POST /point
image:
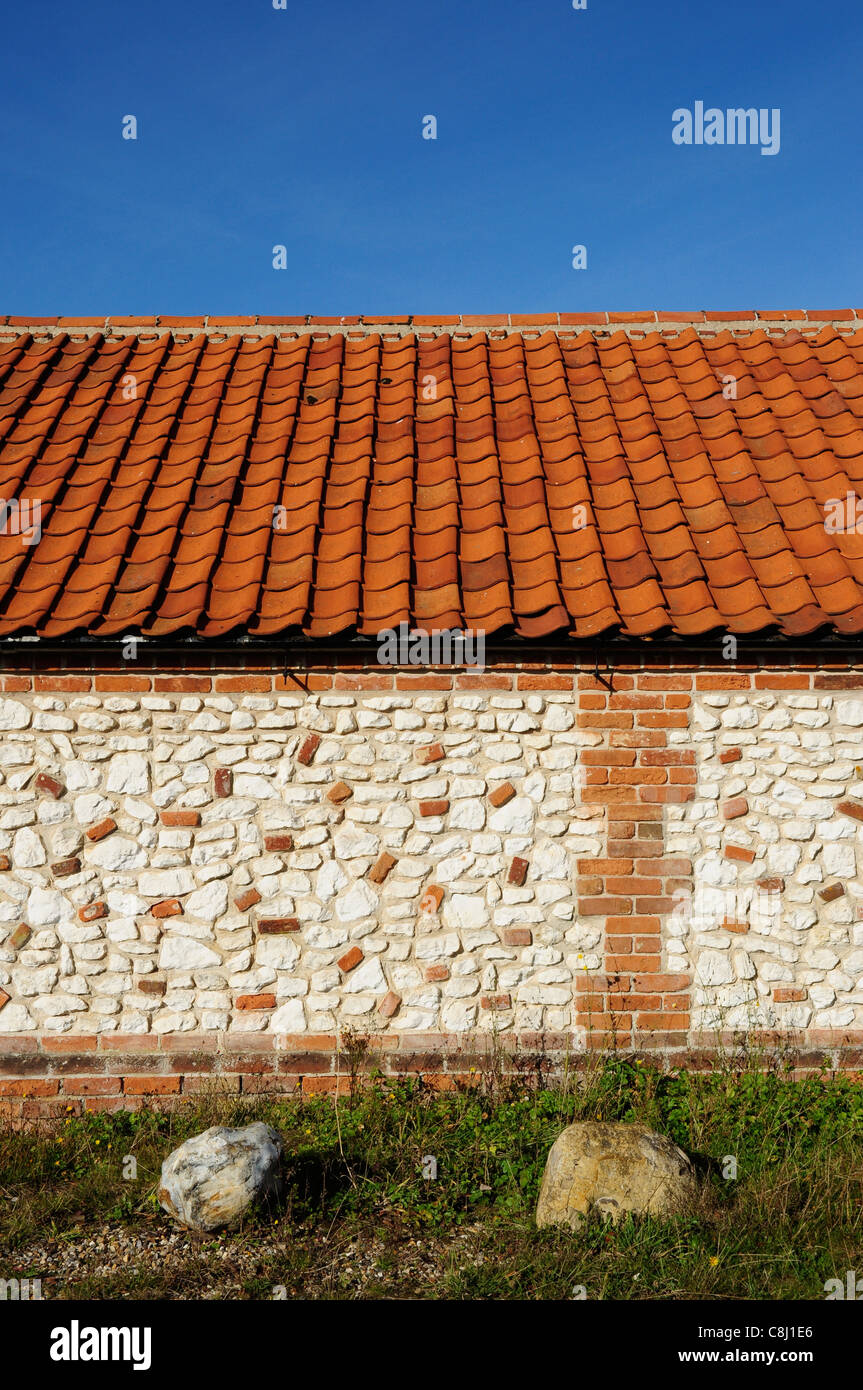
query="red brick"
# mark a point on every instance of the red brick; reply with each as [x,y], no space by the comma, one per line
[325,1085]
[246,900]
[278,843]
[739,928]
[181,685]
[607,757]
[771,680]
[731,755]
[432,897]
[309,748]
[604,866]
[656,904]
[771,885]
[730,680]
[436,973]
[81,1042]
[518,871]
[223,781]
[378,681]
[829,895]
[625,699]
[651,682]
[104,828]
[207,1085]
[588,886]
[525,682]
[49,785]
[640,738]
[664,984]
[637,776]
[595,776]
[186,818]
[851,808]
[110,1105]
[247,683]
[653,1021]
[468,681]
[64,868]
[30,1086]
[833,681]
[669,795]
[147,985]
[609,796]
[601,907]
[122,683]
[168,907]
[151,1085]
[5,863]
[256,1001]
[382,866]
[518,936]
[91,1085]
[496,1002]
[634,1003]
[389,1004]
[789,996]
[663,721]
[350,960]
[433,753]
[736,807]
[338,793]
[744,856]
[132,1042]
[243,901]
[665,866]
[502,794]
[630,884]
[667,757]
[433,808]
[70,685]
[645,964]
[278,926]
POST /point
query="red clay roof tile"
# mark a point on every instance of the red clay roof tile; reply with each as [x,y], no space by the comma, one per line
[580,483]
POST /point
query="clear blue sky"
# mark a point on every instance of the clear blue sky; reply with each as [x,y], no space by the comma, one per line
[303,127]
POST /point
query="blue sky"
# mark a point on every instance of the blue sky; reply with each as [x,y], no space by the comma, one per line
[303,127]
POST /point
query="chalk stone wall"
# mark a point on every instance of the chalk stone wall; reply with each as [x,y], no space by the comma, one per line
[647,860]
[771,931]
[292,863]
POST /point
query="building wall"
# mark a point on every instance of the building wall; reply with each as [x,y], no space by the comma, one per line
[220,874]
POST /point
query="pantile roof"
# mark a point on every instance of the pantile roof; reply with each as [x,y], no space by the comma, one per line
[640,474]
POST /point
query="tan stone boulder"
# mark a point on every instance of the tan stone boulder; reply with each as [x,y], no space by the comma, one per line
[614,1168]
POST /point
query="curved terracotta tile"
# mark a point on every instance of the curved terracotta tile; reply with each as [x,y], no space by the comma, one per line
[175,495]
[389,607]
[429,545]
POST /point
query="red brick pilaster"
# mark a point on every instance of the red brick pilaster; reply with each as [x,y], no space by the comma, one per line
[634,1002]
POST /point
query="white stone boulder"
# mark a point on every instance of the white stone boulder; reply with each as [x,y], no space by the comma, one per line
[211,1180]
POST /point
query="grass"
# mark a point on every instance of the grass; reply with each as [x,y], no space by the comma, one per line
[360,1220]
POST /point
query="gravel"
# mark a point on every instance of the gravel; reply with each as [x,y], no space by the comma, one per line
[191,1266]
